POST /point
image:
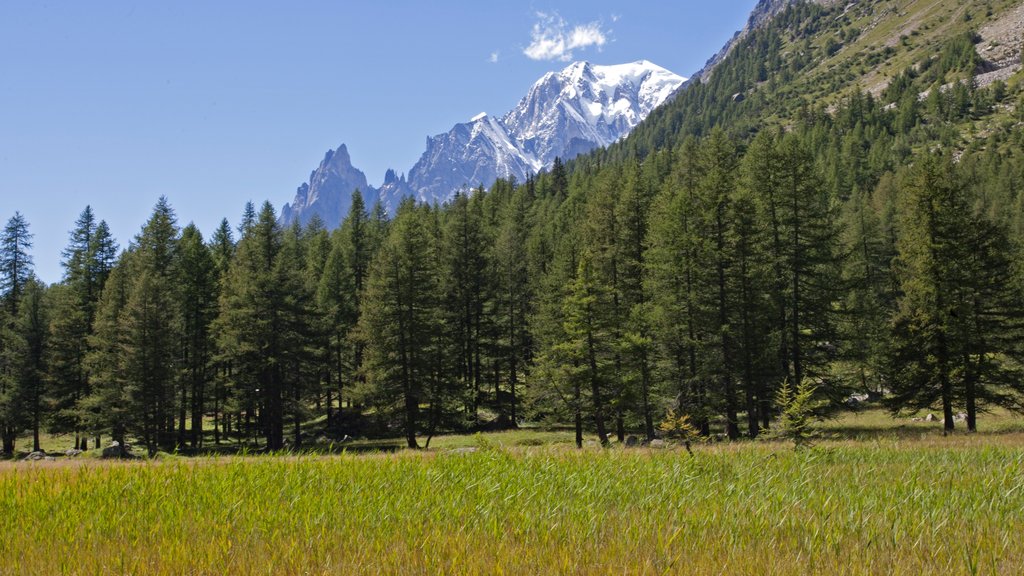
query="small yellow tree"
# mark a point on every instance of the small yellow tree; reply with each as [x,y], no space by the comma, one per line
[678,426]
[796,422]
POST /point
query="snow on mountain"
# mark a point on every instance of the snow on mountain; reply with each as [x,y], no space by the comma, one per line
[564,114]
[586,106]
[470,154]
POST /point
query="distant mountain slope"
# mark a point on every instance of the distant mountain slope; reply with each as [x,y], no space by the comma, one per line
[564,114]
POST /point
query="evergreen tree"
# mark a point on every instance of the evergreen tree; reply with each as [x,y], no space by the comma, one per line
[33,335]
[15,275]
[196,277]
[587,329]
[956,340]
[262,328]
[108,407]
[222,251]
[87,261]
[464,278]
[339,294]
[514,294]
[15,261]
[673,268]
[397,322]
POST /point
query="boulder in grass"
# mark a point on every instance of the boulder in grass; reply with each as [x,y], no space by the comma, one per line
[72,452]
[657,443]
[632,441]
[36,456]
[116,450]
[931,418]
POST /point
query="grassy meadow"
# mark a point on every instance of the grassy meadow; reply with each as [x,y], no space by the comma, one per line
[903,502]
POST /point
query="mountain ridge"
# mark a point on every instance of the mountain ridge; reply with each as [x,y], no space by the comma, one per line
[565,113]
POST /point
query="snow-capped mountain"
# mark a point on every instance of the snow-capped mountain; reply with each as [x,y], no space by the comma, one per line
[585,107]
[564,114]
[472,153]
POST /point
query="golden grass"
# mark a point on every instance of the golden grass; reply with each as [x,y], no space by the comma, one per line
[889,505]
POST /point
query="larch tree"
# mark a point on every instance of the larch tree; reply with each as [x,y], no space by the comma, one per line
[397,322]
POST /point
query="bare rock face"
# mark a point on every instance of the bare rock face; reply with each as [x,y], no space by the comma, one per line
[328,193]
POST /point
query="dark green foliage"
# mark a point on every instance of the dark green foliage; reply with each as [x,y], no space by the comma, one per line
[263,326]
[956,333]
[400,319]
[196,279]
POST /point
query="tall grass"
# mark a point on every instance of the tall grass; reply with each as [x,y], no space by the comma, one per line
[888,507]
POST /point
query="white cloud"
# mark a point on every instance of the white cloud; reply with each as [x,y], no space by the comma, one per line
[552,39]
[494,57]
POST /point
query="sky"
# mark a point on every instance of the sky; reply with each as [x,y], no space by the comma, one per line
[113,104]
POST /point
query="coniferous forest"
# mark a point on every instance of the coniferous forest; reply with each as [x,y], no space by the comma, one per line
[729,251]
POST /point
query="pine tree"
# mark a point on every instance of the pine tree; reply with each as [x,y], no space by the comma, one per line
[107,407]
[32,328]
[714,194]
[587,328]
[514,294]
[869,302]
[397,322]
[753,316]
[15,274]
[15,261]
[956,333]
[340,290]
[222,251]
[87,261]
[196,280]
[262,328]
[464,279]
[673,268]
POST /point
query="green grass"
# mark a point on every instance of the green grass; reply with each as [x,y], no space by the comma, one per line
[888,505]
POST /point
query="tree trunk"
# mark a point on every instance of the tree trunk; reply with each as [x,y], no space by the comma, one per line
[752,426]
[197,414]
[595,391]
[297,432]
[947,387]
[8,440]
[645,395]
[578,409]
[972,404]
[35,429]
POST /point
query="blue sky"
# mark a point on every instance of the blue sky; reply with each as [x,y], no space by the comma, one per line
[214,103]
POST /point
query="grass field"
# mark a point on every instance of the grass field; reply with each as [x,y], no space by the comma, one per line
[903,503]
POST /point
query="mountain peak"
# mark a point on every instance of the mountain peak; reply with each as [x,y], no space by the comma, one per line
[564,114]
[328,193]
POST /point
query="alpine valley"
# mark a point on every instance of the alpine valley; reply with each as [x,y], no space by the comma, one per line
[563,115]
